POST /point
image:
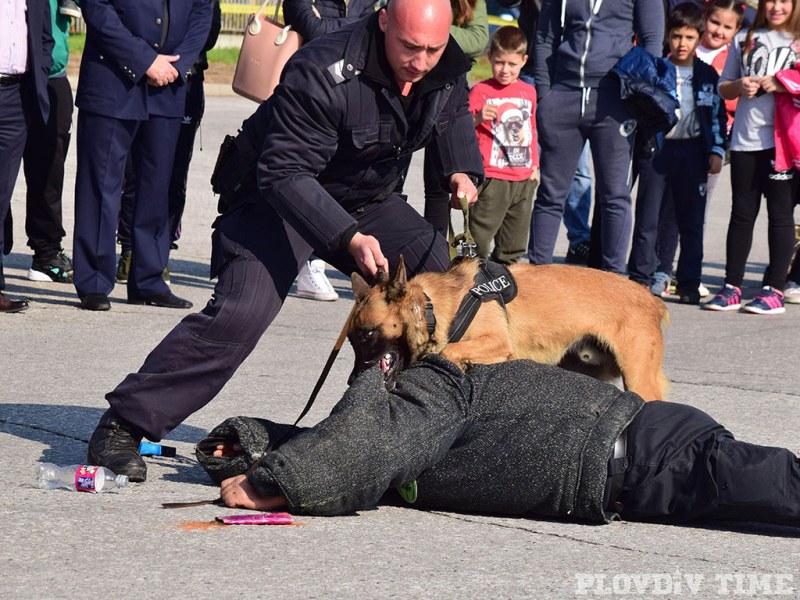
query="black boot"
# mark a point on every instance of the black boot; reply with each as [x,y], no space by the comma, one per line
[115,444]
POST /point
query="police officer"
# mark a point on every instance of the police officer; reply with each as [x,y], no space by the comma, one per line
[335,142]
[131,96]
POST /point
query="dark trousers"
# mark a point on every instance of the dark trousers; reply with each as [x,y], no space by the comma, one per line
[256,256]
[104,144]
[14,119]
[752,177]
[43,163]
[685,466]
[193,114]
[563,131]
[677,174]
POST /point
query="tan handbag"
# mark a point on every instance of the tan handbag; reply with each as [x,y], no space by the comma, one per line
[266,47]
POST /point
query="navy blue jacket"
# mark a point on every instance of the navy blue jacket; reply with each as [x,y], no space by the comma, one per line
[40,52]
[710,108]
[579,41]
[336,135]
[647,87]
[123,38]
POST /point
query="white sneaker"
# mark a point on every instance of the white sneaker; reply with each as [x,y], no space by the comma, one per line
[791,294]
[704,291]
[312,283]
[660,286]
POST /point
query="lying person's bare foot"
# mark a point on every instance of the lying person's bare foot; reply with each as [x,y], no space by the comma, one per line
[226,449]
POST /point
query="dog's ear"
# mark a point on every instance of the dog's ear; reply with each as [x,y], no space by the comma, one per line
[360,287]
[396,287]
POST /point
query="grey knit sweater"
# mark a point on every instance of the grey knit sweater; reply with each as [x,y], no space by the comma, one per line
[510,438]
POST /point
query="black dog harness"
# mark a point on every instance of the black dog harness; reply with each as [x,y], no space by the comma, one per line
[493,281]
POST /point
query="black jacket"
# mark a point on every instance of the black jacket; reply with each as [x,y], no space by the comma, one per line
[315,18]
[336,135]
[40,50]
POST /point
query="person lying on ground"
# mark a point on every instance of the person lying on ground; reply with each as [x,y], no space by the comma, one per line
[511,438]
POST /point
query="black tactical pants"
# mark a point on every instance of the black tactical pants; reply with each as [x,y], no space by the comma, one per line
[685,466]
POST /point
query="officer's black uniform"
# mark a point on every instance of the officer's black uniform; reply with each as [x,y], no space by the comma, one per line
[337,141]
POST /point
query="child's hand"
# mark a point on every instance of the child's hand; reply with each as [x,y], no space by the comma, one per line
[750,86]
[714,164]
[771,85]
[535,175]
[487,113]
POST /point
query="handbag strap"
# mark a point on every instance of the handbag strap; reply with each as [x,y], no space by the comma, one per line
[254,26]
[264,5]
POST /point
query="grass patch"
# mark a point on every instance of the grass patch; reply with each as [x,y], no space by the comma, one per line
[227,56]
[76,42]
[481,71]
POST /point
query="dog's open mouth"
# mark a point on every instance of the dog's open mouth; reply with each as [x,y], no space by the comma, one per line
[389,364]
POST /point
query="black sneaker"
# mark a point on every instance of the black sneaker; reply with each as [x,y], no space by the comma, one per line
[578,254]
[2,278]
[115,444]
[58,269]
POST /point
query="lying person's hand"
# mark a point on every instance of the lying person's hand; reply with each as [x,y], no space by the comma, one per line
[236,492]
[224,450]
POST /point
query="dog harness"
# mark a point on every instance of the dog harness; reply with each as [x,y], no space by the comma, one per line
[493,281]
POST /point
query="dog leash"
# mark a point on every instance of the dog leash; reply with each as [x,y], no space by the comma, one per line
[463,241]
[337,346]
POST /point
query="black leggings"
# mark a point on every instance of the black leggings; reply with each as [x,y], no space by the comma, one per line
[752,176]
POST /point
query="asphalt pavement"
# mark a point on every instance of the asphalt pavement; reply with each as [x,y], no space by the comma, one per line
[60,361]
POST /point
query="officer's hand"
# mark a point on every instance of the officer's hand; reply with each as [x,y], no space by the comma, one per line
[236,492]
[367,252]
[462,187]
[161,72]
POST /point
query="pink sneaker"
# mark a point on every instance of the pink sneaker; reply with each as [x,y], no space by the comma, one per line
[768,301]
[728,298]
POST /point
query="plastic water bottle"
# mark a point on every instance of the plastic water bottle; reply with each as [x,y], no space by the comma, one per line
[83,478]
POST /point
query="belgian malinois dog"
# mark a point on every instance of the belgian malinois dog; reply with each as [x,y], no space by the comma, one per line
[585,320]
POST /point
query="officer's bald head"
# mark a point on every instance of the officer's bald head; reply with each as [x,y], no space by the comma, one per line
[417,32]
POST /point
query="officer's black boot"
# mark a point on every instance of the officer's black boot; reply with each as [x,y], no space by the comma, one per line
[115,444]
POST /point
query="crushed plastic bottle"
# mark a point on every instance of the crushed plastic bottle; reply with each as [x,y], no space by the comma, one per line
[83,478]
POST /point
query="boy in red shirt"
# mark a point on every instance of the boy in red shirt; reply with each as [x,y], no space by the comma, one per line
[504,109]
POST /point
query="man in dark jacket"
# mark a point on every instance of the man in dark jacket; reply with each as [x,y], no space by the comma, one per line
[577,44]
[335,142]
[131,97]
[509,438]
